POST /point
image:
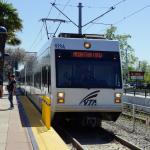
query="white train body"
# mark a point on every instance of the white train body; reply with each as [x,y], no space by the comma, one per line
[82,77]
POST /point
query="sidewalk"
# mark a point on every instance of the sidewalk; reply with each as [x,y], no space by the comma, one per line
[13,134]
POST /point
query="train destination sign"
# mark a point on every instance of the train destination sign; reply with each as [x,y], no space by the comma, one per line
[82,54]
[87,54]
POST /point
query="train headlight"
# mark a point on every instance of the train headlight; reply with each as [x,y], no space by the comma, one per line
[118,97]
[87,45]
[60,97]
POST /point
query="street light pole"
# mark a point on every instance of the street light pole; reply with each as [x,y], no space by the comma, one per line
[126,65]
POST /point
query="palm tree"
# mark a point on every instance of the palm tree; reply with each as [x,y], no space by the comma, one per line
[9,18]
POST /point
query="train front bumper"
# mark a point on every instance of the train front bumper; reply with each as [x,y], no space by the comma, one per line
[102,108]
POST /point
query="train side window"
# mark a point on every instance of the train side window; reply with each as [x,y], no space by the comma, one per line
[44,76]
[49,78]
[37,80]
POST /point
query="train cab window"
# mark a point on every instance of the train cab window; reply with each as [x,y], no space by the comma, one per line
[88,70]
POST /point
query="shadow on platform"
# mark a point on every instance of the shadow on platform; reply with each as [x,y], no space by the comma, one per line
[6,109]
[29,115]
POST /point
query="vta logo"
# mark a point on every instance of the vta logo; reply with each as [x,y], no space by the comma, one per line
[90,99]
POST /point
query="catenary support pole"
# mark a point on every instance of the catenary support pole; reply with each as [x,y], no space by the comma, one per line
[80,18]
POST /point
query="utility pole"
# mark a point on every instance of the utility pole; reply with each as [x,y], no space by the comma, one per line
[126,77]
[80,18]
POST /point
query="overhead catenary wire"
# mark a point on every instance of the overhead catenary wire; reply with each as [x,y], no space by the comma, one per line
[119,3]
[94,7]
[35,42]
[53,4]
[113,6]
[86,6]
[132,14]
[81,26]
[67,4]
[128,16]
[107,7]
[59,14]
[106,24]
[59,4]
[64,7]
[44,23]
[40,31]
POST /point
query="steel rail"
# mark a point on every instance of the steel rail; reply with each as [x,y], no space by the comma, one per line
[122,141]
[126,143]
[79,146]
[73,141]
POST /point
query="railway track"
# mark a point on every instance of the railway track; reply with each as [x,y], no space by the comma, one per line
[136,132]
[140,115]
[79,138]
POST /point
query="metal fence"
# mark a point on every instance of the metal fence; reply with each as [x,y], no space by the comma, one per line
[135,92]
[139,112]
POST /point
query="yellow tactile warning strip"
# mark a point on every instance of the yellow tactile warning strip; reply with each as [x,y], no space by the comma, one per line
[46,139]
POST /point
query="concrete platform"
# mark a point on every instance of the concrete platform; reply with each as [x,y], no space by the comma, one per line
[46,139]
[21,128]
[13,133]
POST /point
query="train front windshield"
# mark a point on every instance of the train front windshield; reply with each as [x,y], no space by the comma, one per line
[87,69]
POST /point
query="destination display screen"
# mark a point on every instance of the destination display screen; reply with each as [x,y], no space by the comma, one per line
[78,54]
[87,54]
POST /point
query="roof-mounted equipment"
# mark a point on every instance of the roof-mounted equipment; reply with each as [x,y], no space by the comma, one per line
[88,36]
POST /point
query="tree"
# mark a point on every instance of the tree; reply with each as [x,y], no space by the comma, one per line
[15,58]
[147,77]
[127,52]
[143,65]
[9,18]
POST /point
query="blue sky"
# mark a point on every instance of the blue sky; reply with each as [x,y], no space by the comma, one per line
[137,25]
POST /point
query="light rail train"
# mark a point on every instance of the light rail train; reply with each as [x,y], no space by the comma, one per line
[82,76]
